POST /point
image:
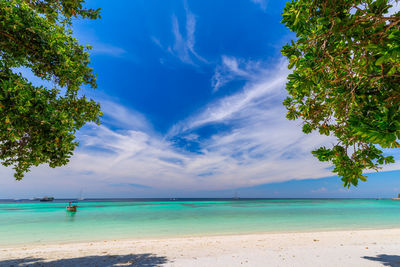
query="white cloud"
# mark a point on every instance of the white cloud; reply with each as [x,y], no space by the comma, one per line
[156,41]
[89,36]
[262,146]
[253,145]
[184,39]
[261,3]
[123,117]
[263,85]
[107,49]
[232,69]
[180,48]
[190,33]
[320,190]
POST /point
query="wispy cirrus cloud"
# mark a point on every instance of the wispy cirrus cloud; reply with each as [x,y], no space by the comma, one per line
[107,49]
[232,68]
[241,140]
[99,46]
[260,146]
[254,144]
[262,3]
[122,117]
[183,47]
[184,43]
[320,190]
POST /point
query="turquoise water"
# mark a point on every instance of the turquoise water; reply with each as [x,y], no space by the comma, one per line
[34,222]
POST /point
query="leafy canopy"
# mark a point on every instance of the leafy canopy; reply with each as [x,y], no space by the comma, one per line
[346,79]
[37,124]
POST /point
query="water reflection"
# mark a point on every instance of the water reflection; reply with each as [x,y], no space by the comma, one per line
[70,216]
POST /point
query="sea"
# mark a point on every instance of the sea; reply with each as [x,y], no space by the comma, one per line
[26,222]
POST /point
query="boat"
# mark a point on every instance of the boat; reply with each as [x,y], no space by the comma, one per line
[46,199]
[71,208]
[80,198]
[236,196]
[396,198]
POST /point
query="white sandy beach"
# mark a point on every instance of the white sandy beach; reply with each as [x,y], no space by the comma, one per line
[336,248]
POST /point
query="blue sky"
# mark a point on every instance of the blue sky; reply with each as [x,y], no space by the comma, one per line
[191,93]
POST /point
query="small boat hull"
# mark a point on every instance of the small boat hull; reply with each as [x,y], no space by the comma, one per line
[46,199]
[71,208]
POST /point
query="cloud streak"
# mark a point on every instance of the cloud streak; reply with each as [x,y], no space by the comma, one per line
[236,141]
[107,49]
[232,69]
[261,3]
[98,46]
[256,145]
[183,47]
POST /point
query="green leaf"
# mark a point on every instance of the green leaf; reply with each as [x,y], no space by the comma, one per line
[345,80]
[38,124]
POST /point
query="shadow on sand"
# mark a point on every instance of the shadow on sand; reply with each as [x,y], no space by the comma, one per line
[141,260]
[386,260]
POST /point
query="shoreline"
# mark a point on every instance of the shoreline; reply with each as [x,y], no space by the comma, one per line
[199,235]
[324,248]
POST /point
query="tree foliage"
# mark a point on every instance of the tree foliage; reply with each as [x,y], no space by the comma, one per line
[346,79]
[38,124]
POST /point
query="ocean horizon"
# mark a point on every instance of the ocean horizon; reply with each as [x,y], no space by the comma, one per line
[111,199]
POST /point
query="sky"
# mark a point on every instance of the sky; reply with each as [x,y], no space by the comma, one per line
[192,94]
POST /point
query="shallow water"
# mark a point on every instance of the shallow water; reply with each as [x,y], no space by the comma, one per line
[38,222]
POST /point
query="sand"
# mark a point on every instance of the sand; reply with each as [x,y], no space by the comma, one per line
[336,248]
